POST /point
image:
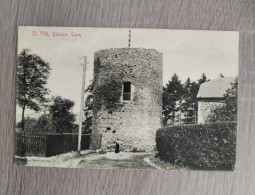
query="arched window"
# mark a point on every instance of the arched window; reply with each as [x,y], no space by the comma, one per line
[126,91]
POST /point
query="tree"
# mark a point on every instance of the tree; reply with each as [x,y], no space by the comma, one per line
[62,117]
[228,111]
[178,96]
[32,73]
[172,93]
[44,124]
[190,92]
[190,100]
[29,125]
[88,109]
[203,79]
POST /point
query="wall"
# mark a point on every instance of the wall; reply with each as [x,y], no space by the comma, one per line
[132,123]
[204,108]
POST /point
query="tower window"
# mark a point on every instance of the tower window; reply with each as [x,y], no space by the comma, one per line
[126,90]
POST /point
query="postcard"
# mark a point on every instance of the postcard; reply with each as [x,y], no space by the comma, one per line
[126,98]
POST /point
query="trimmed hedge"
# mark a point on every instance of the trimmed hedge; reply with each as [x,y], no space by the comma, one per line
[201,146]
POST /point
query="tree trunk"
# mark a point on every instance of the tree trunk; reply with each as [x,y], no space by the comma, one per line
[173,116]
[23,119]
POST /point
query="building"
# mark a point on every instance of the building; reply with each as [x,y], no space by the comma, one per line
[185,115]
[127,98]
[211,95]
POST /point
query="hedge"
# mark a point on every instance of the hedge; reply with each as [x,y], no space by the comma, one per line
[201,146]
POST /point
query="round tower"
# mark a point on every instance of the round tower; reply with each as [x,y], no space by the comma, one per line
[127,98]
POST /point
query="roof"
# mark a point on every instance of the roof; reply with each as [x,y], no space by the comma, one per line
[215,88]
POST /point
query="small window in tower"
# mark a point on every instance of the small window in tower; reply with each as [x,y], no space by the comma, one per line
[126,90]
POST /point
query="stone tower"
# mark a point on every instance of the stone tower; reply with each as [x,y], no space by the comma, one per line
[127,98]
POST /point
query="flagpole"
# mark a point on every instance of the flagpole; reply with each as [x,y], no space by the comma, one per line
[82,104]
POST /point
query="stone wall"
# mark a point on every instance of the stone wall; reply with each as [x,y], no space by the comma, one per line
[132,123]
[204,108]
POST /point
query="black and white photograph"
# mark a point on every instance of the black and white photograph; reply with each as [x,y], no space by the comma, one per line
[126,98]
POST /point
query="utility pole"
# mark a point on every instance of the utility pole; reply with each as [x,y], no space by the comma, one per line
[82,104]
[129,38]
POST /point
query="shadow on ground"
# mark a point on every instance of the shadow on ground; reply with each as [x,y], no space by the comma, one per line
[111,160]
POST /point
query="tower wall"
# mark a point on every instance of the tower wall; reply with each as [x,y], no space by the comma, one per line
[132,123]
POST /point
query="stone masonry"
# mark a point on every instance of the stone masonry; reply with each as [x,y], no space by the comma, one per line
[132,123]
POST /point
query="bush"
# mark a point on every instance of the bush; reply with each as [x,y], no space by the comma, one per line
[202,146]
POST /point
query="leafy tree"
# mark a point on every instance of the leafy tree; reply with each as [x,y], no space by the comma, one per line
[228,111]
[62,117]
[172,93]
[29,126]
[32,73]
[44,124]
[88,109]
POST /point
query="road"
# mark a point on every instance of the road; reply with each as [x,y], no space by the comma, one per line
[110,160]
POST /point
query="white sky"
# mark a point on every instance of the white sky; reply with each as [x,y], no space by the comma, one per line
[188,53]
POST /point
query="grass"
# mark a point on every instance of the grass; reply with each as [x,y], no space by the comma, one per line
[164,165]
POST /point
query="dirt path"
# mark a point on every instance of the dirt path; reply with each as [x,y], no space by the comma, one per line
[88,159]
[111,160]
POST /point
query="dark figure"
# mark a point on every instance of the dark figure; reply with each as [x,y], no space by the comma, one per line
[117,147]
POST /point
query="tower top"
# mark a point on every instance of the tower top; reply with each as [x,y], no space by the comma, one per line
[129,38]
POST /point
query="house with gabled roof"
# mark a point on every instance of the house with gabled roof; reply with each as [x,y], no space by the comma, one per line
[211,95]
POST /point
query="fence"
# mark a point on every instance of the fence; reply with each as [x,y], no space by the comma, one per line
[49,144]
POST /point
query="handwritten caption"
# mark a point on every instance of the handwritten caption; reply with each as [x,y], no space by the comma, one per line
[55,34]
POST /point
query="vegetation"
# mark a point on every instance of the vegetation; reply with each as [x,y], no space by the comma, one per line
[175,94]
[108,94]
[88,110]
[203,146]
[62,117]
[228,111]
[32,73]
[44,124]
[29,124]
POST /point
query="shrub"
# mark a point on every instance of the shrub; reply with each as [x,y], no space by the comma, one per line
[202,146]
[228,111]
